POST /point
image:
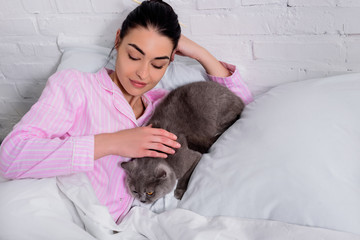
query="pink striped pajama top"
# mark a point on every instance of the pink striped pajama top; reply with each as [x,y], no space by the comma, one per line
[56,136]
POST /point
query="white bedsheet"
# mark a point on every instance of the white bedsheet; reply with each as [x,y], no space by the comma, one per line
[37,209]
[182,224]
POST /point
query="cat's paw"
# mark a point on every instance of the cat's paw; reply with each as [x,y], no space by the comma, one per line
[179,193]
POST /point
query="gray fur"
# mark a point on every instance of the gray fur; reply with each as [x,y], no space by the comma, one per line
[198,113]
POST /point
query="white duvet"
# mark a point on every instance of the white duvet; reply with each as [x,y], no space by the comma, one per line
[38,209]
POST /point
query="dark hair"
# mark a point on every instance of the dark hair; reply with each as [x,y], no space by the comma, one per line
[154,14]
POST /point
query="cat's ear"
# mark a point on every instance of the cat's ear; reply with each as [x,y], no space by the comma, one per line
[129,166]
[161,171]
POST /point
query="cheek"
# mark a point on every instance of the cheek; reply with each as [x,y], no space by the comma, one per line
[156,75]
[124,67]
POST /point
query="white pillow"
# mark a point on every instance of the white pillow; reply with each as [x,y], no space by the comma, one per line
[294,156]
[85,58]
[90,58]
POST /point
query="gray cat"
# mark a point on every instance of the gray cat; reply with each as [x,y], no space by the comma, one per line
[198,113]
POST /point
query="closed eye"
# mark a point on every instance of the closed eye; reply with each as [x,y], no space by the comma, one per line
[157,67]
[133,58]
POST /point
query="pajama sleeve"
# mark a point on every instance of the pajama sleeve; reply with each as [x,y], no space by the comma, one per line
[235,83]
[40,144]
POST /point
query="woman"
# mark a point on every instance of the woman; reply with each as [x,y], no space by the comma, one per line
[85,122]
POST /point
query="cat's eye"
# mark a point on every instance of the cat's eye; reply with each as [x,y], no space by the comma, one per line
[150,193]
[135,192]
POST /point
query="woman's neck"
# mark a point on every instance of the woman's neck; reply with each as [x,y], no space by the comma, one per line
[135,102]
[132,100]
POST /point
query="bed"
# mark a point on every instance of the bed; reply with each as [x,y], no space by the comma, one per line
[289,168]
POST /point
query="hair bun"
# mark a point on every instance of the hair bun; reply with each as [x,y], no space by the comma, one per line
[159,1]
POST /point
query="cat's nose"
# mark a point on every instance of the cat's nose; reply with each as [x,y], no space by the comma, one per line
[143,201]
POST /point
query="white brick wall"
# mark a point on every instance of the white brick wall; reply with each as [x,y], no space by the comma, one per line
[271,41]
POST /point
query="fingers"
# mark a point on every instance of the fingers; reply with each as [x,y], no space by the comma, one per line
[161,147]
[154,154]
[166,142]
[162,133]
[161,143]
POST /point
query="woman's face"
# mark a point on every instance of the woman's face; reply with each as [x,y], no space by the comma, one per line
[142,59]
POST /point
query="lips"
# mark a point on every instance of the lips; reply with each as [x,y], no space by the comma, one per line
[137,84]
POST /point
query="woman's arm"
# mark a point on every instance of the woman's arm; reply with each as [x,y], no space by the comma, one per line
[39,145]
[212,66]
[225,74]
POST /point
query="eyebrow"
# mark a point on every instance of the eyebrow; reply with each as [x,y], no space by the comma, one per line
[142,52]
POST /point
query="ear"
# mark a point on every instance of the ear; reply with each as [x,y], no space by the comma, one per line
[117,38]
[162,171]
[129,166]
[172,58]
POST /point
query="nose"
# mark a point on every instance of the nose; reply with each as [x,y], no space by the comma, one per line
[142,199]
[143,72]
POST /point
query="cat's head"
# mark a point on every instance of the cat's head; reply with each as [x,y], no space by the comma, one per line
[149,179]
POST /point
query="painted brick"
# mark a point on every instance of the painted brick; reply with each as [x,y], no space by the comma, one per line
[263,2]
[17,27]
[27,49]
[309,21]
[2,78]
[7,49]
[29,90]
[224,4]
[39,6]
[21,107]
[353,52]
[232,49]
[12,8]
[111,6]
[40,49]
[71,6]
[6,124]
[47,50]
[28,71]
[79,25]
[316,3]
[350,18]
[8,91]
[104,41]
[264,76]
[232,24]
[7,110]
[320,73]
[266,21]
[299,51]
[348,3]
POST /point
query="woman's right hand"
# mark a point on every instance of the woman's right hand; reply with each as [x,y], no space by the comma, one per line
[136,142]
[188,48]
